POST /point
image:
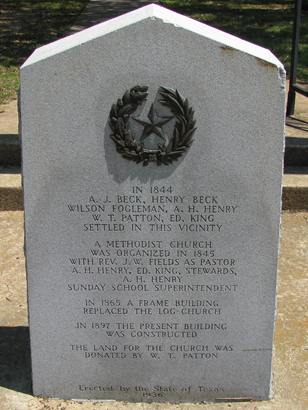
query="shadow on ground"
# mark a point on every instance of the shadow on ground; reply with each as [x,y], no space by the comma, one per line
[10,150]
[11,199]
[99,11]
[27,24]
[296,153]
[15,363]
[297,123]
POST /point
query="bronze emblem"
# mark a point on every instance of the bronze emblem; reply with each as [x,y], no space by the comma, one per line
[168,147]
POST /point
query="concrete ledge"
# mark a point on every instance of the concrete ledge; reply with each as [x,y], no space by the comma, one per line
[294,196]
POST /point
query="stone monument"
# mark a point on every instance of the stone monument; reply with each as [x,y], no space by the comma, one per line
[152,162]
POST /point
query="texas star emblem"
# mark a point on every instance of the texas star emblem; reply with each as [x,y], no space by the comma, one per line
[169,147]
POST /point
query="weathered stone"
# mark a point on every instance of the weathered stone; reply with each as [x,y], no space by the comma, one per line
[155,282]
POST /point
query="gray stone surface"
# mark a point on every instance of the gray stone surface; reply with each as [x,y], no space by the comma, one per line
[93,334]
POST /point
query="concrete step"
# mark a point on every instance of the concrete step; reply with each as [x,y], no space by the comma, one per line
[296,152]
[294,195]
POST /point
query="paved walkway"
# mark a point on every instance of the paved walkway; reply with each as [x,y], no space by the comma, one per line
[101,10]
[297,125]
[9,118]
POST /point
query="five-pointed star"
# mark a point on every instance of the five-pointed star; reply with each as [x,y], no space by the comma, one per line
[152,127]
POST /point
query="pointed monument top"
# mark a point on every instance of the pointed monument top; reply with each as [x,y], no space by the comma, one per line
[149,12]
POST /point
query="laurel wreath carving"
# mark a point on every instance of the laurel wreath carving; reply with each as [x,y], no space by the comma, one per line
[125,141]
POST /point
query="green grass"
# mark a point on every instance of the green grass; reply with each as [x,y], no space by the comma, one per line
[26,25]
[263,22]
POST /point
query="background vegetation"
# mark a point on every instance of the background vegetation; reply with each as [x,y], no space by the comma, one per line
[27,24]
[24,26]
[264,22]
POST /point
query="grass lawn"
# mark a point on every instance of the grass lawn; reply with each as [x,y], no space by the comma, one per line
[25,25]
[263,22]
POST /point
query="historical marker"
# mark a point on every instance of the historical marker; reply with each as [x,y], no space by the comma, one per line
[152,162]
